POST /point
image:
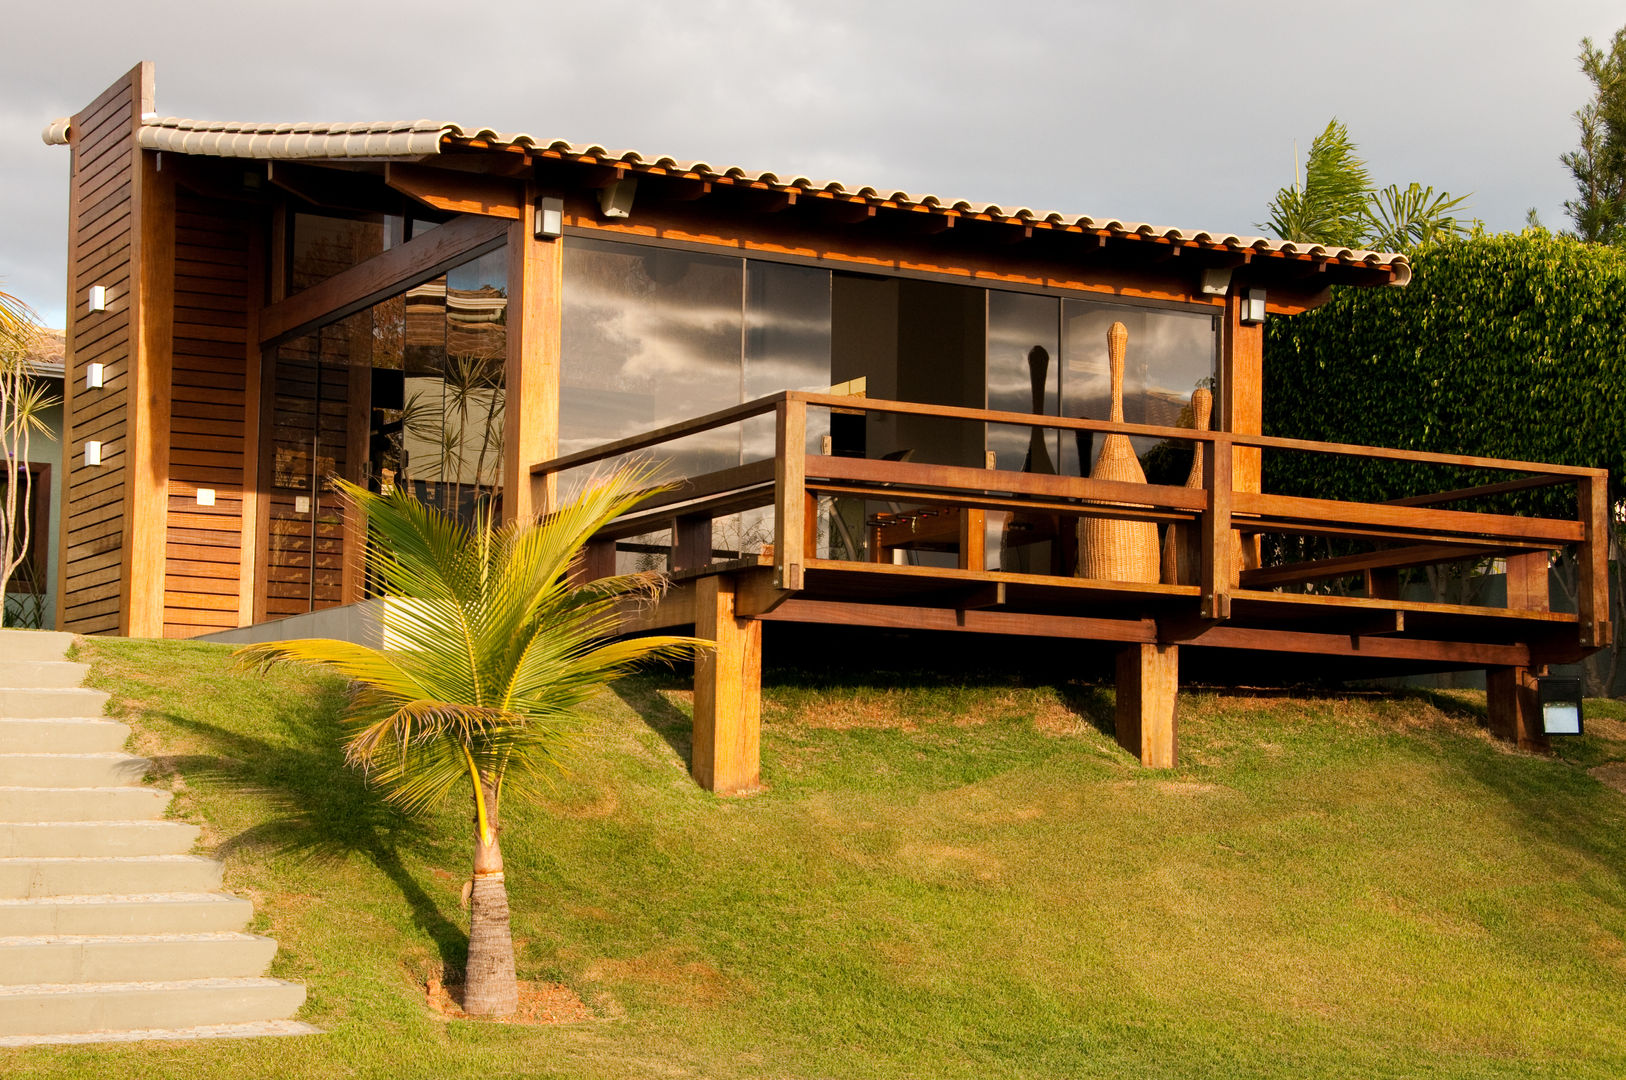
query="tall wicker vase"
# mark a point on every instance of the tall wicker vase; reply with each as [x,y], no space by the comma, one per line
[1118,549]
[1182,559]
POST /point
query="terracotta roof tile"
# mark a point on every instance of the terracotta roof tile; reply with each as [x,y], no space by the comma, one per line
[424,138]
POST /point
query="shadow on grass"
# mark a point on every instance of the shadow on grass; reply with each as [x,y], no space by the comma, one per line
[643,696]
[1096,705]
[321,809]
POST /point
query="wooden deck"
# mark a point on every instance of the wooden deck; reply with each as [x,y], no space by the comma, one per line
[943,513]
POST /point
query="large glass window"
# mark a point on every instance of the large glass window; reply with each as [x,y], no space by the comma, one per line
[1170,353]
[408,392]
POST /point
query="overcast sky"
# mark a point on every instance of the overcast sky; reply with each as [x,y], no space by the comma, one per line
[1175,113]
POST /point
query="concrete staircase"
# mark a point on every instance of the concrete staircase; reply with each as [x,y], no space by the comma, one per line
[109,928]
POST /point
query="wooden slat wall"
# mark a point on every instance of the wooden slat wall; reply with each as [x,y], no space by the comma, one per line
[102,192]
[203,563]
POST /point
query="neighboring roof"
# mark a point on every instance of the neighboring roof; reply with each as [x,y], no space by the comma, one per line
[46,352]
[423,138]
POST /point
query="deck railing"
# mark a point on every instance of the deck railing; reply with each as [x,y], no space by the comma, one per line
[1418,531]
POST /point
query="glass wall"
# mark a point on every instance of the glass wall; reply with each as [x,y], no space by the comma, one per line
[406,392]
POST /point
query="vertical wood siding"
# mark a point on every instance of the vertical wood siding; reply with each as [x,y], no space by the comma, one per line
[101,215]
[203,544]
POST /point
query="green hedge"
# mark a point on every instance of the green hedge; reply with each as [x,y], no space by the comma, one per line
[1508,346]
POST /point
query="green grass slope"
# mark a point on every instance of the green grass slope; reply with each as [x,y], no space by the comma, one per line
[939,881]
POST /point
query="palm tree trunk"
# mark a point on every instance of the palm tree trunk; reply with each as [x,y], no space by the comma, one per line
[489,986]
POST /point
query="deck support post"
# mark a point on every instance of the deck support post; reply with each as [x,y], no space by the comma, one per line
[726,754]
[1148,681]
[1513,711]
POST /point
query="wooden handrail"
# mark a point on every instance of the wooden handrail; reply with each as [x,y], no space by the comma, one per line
[722,417]
[760,406]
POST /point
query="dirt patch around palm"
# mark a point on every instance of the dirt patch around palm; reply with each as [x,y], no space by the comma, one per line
[541,1004]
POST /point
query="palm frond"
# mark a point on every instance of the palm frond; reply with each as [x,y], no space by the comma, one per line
[491,647]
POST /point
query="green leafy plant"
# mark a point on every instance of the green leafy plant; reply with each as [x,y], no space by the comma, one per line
[24,398]
[491,651]
[1337,206]
[1599,163]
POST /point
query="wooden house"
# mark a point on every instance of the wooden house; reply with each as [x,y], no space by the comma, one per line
[881,409]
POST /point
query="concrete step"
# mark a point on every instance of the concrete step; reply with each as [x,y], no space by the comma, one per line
[40,674]
[23,803]
[34,644]
[264,1029]
[109,768]
[22,703]
[56,1008]
[133,958]
[62,735]
[141,913]
[18,839]
[117,874]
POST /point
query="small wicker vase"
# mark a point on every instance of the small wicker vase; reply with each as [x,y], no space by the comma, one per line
[1182,559]
[1118,549]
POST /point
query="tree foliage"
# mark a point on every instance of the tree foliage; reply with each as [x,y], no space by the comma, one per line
[1509,346]
[1337,205]
[1599,163]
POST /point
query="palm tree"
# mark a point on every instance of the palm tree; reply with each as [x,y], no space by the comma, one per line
[24,398]
[490,651]
[1338,207]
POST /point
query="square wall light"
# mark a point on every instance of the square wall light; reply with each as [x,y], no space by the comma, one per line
[98,298]
[1253,307]
[94,374]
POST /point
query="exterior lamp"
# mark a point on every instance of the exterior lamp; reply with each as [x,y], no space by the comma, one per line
[1560,699]
[98,298]
[94,374]
[550,219]
[1253,307]
[93,452]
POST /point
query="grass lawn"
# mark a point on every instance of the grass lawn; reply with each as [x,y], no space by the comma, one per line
[939,881]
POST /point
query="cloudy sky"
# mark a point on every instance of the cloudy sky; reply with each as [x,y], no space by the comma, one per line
[1175,113]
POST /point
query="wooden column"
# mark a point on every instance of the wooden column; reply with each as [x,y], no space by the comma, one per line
[726,756]
[146,499]
[531,401]
[1242,375]
[790,494]
[1513,711]
[1592,562]
[1527,582]
[1148,682]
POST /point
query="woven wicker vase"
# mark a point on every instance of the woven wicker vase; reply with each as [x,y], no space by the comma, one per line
[1182,559]
[1117,549]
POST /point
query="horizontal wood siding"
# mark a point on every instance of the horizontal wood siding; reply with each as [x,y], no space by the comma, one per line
[203,544]
[101,216]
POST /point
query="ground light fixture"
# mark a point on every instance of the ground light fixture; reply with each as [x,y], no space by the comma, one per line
[1560,698]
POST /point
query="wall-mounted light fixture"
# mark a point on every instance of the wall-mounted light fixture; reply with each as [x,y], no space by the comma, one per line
[549,221]
[206,496]
[1560,699]
[302,504]
[1216,282]
[93,452]
[98,298]
[1253,307]
[615,201]
[94,373]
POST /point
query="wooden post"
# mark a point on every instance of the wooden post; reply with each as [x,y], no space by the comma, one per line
[1148,682]
[973,539]
[1242,378]
[790,493]
[1527,582]
[1219,560]
[1383,583]
[691,543]
[726,755]
[531,388]
[146,494]
[1513,712]
[1592,562]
